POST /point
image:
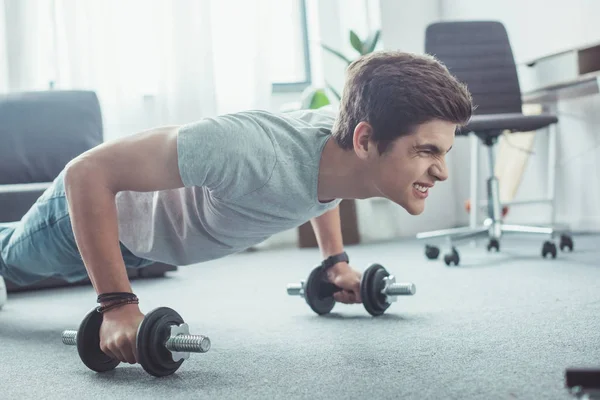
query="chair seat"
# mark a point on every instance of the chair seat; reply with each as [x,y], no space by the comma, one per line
[513,122]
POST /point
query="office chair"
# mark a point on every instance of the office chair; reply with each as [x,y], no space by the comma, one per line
[479,54]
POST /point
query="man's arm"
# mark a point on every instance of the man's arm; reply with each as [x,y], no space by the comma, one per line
[146,161]
[328,231]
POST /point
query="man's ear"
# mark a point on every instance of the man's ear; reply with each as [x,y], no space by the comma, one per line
[363,134]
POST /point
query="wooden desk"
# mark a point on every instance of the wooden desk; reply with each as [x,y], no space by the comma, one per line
[562,76]
[584,85]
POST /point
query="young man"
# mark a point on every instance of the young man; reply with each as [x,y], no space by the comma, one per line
[191,193]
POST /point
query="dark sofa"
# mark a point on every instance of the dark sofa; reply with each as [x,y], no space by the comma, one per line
[40,132]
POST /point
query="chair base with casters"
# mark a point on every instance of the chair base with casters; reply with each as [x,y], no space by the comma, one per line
[493,228]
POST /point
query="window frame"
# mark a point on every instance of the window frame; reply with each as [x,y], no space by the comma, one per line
[288,87]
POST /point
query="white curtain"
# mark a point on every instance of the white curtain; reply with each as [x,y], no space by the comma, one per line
[151,62]
[241,48]
[3,51]
[26,48]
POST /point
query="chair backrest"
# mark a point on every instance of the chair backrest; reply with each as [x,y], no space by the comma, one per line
[479,54]
[40,132]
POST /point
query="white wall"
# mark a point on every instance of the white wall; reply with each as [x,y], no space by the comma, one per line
[403,23]
[537,28]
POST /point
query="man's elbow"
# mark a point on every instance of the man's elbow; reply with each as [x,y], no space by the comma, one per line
[82,170]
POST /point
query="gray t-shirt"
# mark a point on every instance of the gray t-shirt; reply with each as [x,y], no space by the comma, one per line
[247,176]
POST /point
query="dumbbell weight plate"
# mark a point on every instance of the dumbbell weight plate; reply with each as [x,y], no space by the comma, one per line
[317,303]
[371,285]
[152,335]
[88,344]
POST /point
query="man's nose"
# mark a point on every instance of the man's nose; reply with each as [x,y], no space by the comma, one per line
[440,171]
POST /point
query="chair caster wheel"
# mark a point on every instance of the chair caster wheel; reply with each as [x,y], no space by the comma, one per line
[493,244]
[452,258]
[549,248]
[566,242]
[432,252]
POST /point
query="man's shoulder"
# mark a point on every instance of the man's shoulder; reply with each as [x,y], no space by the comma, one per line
[285,126]
[323,115]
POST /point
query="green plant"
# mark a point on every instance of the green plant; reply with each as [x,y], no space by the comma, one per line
[361,46]
[312,97]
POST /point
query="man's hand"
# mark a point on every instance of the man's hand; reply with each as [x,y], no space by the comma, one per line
[118,332]
[344,276]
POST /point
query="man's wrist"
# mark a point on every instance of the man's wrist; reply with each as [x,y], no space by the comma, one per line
[335,264]
[335,259]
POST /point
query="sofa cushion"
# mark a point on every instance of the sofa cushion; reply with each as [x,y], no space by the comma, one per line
[40,132]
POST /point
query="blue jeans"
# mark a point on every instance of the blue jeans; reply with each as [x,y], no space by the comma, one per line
[42,244]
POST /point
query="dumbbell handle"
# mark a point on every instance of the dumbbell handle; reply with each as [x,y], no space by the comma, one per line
[177,343]
[327,289]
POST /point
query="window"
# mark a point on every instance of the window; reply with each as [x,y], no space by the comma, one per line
[290,65]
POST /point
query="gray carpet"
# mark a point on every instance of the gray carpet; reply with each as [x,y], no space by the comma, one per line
[501,326]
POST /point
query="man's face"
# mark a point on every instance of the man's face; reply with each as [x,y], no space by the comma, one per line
[409,168]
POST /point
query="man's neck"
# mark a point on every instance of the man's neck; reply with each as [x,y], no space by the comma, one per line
[340,174]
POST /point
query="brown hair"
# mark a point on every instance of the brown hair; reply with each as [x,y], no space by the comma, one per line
[395,92]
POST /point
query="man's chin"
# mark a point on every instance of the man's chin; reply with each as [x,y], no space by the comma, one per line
[412,206]
[415,208]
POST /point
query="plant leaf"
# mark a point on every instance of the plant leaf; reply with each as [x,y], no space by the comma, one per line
[336,53]
[319,99]
[372,40]
[335,92]
[356,42]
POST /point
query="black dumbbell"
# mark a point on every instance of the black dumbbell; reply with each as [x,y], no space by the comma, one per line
[582,379]
[378,289]
[163,342]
